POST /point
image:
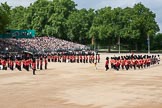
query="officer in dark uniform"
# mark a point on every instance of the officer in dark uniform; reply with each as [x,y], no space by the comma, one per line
[107,63]
[34,65]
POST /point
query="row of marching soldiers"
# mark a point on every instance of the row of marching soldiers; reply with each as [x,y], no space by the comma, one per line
[73,58]
[132,61]
[27,64]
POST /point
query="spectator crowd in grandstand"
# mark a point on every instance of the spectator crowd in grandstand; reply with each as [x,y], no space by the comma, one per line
[38,44]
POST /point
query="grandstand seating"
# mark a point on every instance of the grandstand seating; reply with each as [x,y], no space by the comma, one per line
[38,45]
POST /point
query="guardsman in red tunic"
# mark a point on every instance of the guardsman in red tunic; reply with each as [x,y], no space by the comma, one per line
[0,64]
[27,64]
[49,58]
[18,65]
[77,58]
[107,63]
[8,62]
[59,58]
[18,62]
[138,63]
[122,63]
[112,62]
[80,58]
[127,64]
[148,61]
[133,62]
[98,57]
[30,61]
[37,63]
[63,58]
[90,59]
[130,63]
[145,62]
[0,61]
[34,66]
[117,64]
[142,63]
[4,64]
[53,58]
[74,58]
[86,58]
[23,62]
[45,63]
[70,57]
[93,58]
[41,63]
[11,64]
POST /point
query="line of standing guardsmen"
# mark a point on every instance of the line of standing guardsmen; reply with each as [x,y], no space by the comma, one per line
[131,61]
[26,63]
[74,58]
[37,61]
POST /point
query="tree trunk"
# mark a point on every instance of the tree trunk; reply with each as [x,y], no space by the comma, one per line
[109,48]
[93,40]
[136,46]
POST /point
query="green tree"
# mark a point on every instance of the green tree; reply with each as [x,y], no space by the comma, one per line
[37,16]
[4,16]
[157,42]
[103,27]
[79,23]
[57,21]
[17,18]
[143,24]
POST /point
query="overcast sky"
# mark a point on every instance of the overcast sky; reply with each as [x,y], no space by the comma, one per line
[154,5]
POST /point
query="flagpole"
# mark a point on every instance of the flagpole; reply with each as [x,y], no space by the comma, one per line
[148,42]
[119,43]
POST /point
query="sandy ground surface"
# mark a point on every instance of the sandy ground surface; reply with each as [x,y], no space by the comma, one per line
[72,85]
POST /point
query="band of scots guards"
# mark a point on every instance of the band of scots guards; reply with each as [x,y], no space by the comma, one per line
[131,62]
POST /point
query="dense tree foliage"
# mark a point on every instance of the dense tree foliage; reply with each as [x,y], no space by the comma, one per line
[130,26]
[157,42]
[79,23]
[4,16]
[17,18]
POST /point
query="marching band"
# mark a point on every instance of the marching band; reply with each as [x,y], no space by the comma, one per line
[132,61]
